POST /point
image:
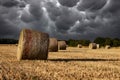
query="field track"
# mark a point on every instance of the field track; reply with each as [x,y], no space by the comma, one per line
[72,64]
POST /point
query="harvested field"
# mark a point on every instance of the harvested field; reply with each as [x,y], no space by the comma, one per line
[71,64]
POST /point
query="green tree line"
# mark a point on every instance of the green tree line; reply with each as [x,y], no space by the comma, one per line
[8,41]
[74,43]
[114,42]
[107,41]
[99,40]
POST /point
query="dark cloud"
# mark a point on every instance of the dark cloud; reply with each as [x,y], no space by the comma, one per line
[68,3]
[112,6]
[62,16]
[34,16]
[35,9]
[21,4]
[26,17]
[12,3]
[8,3]
[64,19]
[54,11]
[91,5]
[8,28]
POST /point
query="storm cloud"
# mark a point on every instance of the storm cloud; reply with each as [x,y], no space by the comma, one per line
[63,19]
[68,3]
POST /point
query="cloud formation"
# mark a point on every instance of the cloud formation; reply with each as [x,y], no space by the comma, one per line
[64,19]
[68,3]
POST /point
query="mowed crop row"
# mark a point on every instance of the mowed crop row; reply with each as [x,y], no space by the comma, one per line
[71,64]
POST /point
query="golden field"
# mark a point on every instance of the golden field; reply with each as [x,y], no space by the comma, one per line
[71,64]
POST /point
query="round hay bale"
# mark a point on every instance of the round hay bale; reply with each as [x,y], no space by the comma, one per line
[53,45]
[79,46]
[16,44]
[98,46]
[61,45]
[107,47]
[92,46]
[33,45]
[67,46]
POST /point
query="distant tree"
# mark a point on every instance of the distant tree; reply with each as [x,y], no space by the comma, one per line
[108,41]
[8,41]
[116,42]
[100,40]
[85,42]
[71,42]
[74,43]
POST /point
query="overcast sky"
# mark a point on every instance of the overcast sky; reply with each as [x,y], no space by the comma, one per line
[63,19]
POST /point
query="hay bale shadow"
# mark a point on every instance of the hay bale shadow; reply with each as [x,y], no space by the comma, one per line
[86,60]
